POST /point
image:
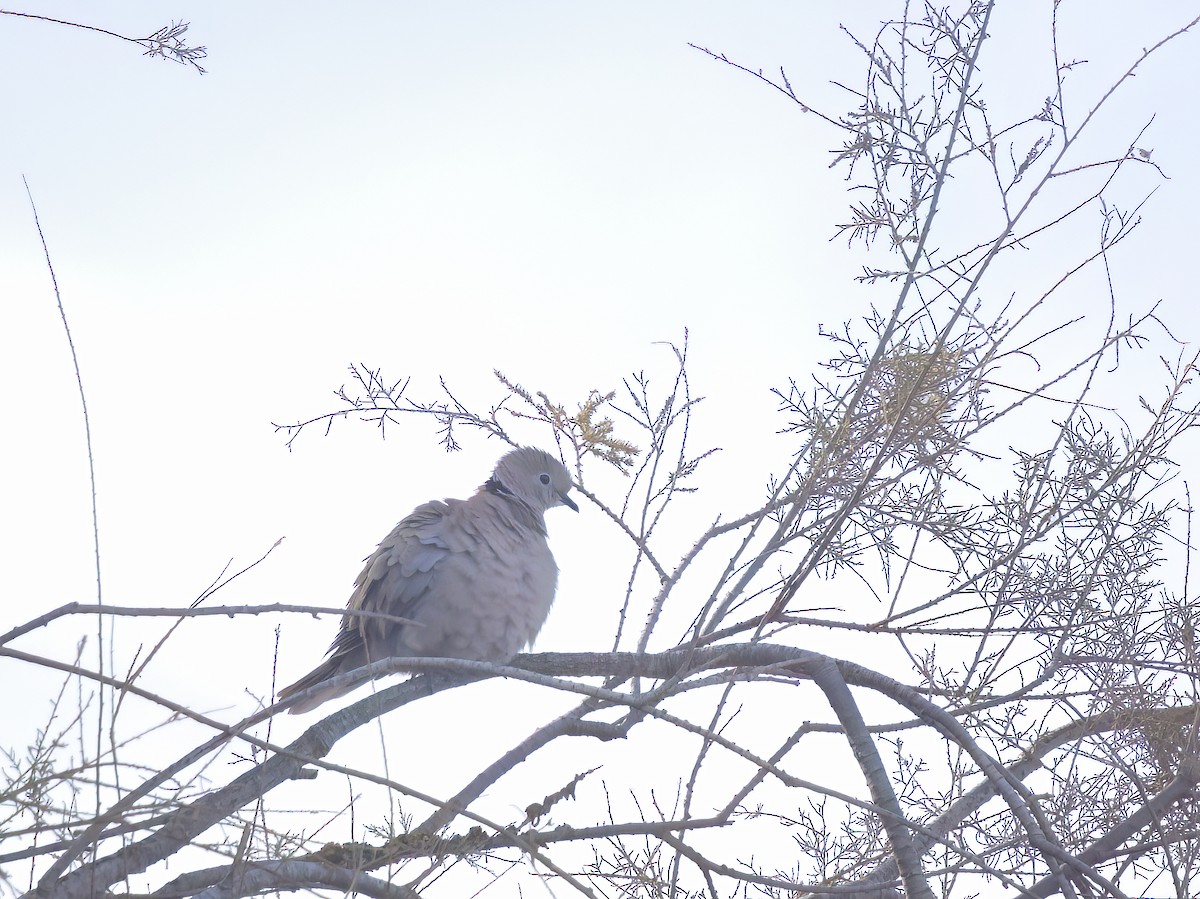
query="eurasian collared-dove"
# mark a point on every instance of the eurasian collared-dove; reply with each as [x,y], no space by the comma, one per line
[473,578]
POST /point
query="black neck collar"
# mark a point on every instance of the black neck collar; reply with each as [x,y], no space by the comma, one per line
[494,486]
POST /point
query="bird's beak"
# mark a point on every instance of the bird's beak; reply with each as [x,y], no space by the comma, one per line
[567,501]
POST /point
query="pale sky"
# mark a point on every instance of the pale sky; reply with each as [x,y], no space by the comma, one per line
[441,189]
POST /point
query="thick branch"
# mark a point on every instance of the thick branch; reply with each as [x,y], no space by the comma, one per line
[908,857]
[1181,788]
[184,826]
[278,876]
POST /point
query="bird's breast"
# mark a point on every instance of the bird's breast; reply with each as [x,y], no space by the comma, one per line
[487,604]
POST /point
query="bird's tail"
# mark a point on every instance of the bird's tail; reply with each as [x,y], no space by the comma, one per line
[323,672]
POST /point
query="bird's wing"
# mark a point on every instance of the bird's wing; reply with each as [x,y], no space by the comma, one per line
[394,581]
[399,576]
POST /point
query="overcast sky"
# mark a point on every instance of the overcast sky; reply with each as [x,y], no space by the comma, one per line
[550,189]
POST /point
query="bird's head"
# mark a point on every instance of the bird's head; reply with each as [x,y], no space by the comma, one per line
[535,477]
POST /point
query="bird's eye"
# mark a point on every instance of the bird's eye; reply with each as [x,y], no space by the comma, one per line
[544,478]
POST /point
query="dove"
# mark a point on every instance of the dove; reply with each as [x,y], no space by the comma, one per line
[469,579]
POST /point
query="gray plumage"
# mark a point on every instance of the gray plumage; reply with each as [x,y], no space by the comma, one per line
[473,579]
